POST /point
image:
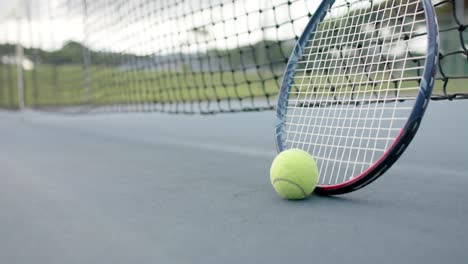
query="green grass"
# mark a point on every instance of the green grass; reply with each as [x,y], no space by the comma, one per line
[8,90]
[383,85]
[66,85]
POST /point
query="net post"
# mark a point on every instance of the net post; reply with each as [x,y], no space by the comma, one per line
[19,64]
[86,57]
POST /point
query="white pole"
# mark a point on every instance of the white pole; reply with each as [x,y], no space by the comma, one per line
[19,66]
[86,55]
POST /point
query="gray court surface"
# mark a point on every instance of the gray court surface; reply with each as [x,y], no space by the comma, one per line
[156,188]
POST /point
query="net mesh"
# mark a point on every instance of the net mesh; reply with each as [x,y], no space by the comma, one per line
[205,56]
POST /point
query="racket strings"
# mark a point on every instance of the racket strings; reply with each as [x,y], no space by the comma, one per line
[345,63]
[372,147]
[345,107]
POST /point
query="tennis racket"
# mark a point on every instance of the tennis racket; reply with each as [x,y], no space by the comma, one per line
[356,87]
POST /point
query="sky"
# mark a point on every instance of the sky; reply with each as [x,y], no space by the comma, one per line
[124,26]
[149,27]
[6,7]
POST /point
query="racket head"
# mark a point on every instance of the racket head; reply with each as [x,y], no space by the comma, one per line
[344,96]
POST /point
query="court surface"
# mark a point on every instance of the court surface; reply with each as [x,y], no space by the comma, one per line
[156,188]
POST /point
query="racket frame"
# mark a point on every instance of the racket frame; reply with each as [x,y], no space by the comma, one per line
[408,131]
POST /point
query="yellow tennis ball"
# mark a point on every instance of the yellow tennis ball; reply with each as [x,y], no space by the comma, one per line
[294,174]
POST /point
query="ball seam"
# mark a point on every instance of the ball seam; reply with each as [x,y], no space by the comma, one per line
[291,182]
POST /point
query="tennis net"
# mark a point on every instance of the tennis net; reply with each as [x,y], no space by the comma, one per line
[205,56]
